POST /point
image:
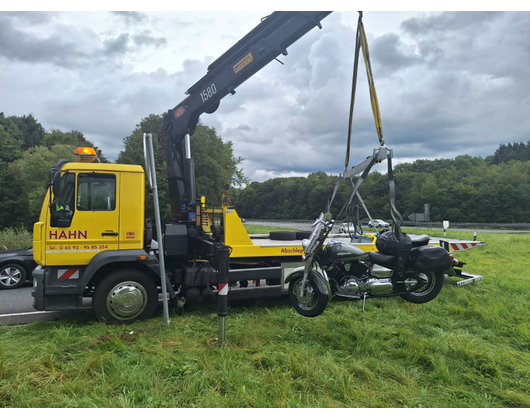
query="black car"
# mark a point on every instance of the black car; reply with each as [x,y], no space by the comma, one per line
[16,266]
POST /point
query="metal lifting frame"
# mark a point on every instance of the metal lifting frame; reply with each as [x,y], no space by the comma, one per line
[379,154]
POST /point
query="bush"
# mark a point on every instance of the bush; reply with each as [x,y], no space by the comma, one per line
[14,238]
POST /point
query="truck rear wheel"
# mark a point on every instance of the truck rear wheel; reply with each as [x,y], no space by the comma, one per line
[124,297]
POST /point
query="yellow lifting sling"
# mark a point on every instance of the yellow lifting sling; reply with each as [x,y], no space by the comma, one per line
[361,43]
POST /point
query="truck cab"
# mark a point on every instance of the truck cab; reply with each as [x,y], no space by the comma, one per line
[91,224]
[96,207]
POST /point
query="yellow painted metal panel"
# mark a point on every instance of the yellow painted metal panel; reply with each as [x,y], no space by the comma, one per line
[132,200]
[235,232]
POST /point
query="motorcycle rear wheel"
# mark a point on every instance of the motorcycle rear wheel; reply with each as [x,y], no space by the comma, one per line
[312,303]
[426,293]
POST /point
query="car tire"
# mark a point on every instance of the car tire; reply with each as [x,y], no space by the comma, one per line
[12,276]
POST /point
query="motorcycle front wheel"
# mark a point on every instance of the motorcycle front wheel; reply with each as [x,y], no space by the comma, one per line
[310,302]
[432,285]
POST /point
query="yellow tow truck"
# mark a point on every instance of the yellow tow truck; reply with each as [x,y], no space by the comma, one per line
[92,241]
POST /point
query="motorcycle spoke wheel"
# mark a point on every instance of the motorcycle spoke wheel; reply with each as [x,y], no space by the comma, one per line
[426,287]
[431,287]
[307,299]
[309,302]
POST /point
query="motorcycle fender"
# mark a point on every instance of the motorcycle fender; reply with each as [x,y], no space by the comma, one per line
[320,281]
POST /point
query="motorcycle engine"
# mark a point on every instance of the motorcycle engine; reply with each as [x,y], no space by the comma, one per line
[359,279]
[352,286]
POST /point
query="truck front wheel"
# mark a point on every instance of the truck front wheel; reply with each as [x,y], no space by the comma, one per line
[124,297]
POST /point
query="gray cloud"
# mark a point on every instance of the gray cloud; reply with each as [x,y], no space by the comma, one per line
[145,39]
[447,84]
[116,46]
[388,53]
[16,44]
[131,17]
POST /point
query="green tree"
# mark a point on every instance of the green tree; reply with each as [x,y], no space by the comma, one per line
[27,152]
[10,147]
[215,163]
[29,180]
[72,138]
[25,129]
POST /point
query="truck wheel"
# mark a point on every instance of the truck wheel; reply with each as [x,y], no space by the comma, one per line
[124,297]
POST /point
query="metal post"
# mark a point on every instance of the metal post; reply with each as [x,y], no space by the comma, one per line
[187,146]
[222,297]
[151,176]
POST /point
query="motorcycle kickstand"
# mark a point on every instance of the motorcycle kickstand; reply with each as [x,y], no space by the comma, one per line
[364,301]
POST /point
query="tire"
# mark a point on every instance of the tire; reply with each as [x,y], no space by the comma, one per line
[435,281]
[12,276]
[283,235]
[313,304]
[125,296]
[303,234]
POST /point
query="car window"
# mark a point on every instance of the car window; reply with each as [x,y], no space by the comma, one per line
[62,208]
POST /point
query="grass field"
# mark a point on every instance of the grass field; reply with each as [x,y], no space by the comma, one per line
[470,347]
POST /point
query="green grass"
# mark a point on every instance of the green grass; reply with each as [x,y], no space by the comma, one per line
[262,229]
[470,347]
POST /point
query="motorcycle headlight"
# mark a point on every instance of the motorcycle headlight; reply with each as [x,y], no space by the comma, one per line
[305,244]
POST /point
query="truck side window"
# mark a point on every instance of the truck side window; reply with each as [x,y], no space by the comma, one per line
[96,192]
[62,208]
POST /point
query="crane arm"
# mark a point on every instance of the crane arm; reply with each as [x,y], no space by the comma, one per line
[254,51]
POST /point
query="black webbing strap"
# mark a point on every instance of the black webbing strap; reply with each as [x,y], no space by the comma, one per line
[396,215]
[361,42]
[354,86]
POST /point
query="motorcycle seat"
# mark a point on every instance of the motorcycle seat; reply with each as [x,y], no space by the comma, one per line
[383,259]
[417,241]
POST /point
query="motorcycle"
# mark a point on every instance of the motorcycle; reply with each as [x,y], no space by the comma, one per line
[403,266]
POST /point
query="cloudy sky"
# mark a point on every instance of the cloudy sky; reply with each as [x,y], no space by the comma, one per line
[448,83]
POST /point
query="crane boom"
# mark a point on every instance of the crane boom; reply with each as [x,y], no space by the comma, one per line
[254,51]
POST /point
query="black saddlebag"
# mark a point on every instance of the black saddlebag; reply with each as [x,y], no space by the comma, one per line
[388,244]
[430,258]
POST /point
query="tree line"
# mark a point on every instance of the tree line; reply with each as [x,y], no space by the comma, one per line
[28,151]
[463,189]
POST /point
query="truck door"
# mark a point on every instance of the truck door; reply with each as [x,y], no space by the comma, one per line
[84,218]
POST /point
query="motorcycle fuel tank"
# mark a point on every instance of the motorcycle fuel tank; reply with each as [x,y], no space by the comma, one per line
[338,251]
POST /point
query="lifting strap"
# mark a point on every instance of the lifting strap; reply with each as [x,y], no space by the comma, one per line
[362,43]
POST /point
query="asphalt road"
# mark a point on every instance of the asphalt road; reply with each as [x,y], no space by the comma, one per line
[16,300]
